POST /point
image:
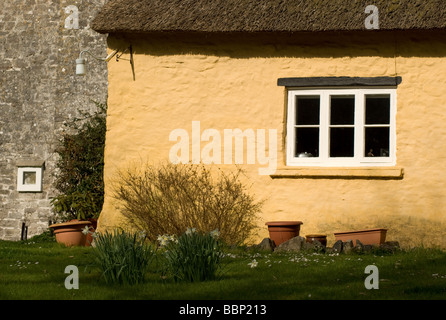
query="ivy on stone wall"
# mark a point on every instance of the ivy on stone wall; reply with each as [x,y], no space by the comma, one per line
[80,167]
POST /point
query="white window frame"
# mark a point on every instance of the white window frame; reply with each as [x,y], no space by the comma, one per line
[22,187]
[359,159]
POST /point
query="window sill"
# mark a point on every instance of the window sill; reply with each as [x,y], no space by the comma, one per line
[378,173]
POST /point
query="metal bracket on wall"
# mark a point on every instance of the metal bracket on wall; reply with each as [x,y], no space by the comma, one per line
[130,50]
[80,62]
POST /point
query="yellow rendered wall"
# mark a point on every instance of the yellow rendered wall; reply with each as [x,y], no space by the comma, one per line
[230,81]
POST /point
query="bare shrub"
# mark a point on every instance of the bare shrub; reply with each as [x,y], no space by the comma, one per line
[169,198]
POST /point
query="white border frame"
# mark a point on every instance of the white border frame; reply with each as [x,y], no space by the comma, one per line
[37,187]
[359,160]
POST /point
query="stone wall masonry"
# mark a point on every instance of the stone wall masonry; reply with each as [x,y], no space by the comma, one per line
[39,91]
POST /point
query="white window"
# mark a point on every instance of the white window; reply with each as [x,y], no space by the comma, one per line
[29,179]
[341,126]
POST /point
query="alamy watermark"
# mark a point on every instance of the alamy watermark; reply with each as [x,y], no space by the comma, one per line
[232,146]
[72,281]
[372,280]
[372,21]
[72,21]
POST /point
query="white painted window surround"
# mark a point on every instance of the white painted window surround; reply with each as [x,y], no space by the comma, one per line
[361,139]
[29,179]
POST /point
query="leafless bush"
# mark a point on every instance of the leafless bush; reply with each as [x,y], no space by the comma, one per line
[170,198]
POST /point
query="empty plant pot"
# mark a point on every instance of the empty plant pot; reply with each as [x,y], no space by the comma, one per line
[281,231]
[369,236]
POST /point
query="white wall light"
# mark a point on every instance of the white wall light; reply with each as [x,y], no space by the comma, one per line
[80,67]
[80,62]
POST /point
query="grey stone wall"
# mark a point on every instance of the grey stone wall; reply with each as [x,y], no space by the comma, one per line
[39,42]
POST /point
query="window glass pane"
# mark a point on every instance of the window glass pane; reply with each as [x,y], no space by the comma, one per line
[342,110]
[307,142]
[307,110]
[342,142]
[29,177]
[377,109]
[377,142]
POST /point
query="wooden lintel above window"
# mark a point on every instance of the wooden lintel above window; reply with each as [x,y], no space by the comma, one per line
[339,81]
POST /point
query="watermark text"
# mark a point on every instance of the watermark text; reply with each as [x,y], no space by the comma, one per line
[234,146]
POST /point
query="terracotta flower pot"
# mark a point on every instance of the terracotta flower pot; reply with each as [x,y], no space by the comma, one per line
[281,231]
[70,233]
[369,236]
[322,238]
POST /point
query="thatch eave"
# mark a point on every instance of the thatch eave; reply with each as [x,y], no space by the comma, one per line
[213,16]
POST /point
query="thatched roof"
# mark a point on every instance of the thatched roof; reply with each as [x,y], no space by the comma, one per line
[266,15]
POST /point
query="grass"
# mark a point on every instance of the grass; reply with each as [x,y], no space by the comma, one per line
[34,269]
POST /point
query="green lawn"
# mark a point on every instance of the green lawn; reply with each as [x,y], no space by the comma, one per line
[35,270]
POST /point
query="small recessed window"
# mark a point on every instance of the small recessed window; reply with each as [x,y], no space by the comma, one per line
[29,179]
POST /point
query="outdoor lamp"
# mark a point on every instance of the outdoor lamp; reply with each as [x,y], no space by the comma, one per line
[80,67]
[80,62]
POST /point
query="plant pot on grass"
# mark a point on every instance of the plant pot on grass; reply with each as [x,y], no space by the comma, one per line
[281,231]
[72,233]
[77,212]
[368,236]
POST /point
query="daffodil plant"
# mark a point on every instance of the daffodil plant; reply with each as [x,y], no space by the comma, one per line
[193,256]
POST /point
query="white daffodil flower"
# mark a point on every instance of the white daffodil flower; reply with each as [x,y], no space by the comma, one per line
[86,230]
[190,230]
[215,233]
[253,264]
